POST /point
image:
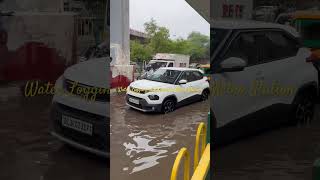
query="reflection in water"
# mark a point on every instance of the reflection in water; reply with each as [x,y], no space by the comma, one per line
[142,144]
[146,144]
[28,151]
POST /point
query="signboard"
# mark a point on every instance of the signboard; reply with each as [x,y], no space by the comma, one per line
[232,10]
[239,9]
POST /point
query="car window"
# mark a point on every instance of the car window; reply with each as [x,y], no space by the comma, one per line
[197,75]
[277,46]
[244,47]
[170,65]
[189,76]
[186,76]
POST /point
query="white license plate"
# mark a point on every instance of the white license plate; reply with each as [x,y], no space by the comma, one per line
[135,101]
[77,125]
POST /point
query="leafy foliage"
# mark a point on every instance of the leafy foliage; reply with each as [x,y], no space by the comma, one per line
[196,45]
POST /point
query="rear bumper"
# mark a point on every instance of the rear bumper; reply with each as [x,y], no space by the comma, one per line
[143,105]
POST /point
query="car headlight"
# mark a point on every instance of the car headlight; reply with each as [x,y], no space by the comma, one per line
[153,97]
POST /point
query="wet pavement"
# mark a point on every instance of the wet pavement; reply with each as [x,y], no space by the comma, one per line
[144,146]
[29,152]
[282,154]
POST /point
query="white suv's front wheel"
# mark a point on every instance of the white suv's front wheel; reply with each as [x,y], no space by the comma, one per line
[168,106]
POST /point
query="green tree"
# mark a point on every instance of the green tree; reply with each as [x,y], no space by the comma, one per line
[199,45]
[139,52]
[196,45]
[159,37]
[151,27]
[181,46]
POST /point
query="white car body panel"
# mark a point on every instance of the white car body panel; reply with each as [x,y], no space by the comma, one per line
[227,108]
[91,73]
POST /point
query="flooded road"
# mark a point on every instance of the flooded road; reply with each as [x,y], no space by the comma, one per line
[144,146]
[283,154]
[29,152]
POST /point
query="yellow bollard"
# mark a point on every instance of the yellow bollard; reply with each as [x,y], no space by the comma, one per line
[201,132]
[183,153]
[202,170]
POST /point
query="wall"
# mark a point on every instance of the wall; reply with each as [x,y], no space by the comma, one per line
[32,5]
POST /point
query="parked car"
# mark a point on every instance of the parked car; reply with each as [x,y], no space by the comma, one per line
[269,73]
[165,60]
[80,107]
[166,89]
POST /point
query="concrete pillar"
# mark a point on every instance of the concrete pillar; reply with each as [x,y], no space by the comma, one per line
[119,31]
[121,70]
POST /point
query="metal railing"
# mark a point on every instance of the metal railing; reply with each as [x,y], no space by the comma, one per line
[183,153]
[200,168]
[85,26]
[201,132]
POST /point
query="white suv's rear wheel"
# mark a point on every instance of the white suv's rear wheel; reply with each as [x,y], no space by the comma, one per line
[168,106]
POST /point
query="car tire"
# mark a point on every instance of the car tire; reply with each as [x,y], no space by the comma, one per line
[304,108]
[168,105]
[205,95]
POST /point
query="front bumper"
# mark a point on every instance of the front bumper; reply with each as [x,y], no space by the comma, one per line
[97,143]
[143,105]
[80,146]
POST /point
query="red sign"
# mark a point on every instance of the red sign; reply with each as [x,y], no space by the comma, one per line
[232,10]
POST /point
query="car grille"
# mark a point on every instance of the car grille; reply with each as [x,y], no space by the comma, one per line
[137,90]
[101,132]
[102,94]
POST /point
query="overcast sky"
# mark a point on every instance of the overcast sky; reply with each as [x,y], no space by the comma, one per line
[176,15]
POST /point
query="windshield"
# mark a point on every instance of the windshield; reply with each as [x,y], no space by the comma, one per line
[164,75]
[217,36]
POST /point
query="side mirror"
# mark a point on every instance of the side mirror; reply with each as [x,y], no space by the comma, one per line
[233,64]
[183,81]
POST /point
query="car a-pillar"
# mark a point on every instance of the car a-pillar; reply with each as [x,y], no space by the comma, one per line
[121,70]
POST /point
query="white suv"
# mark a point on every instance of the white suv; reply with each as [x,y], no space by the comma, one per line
[262,78]
[166,89]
